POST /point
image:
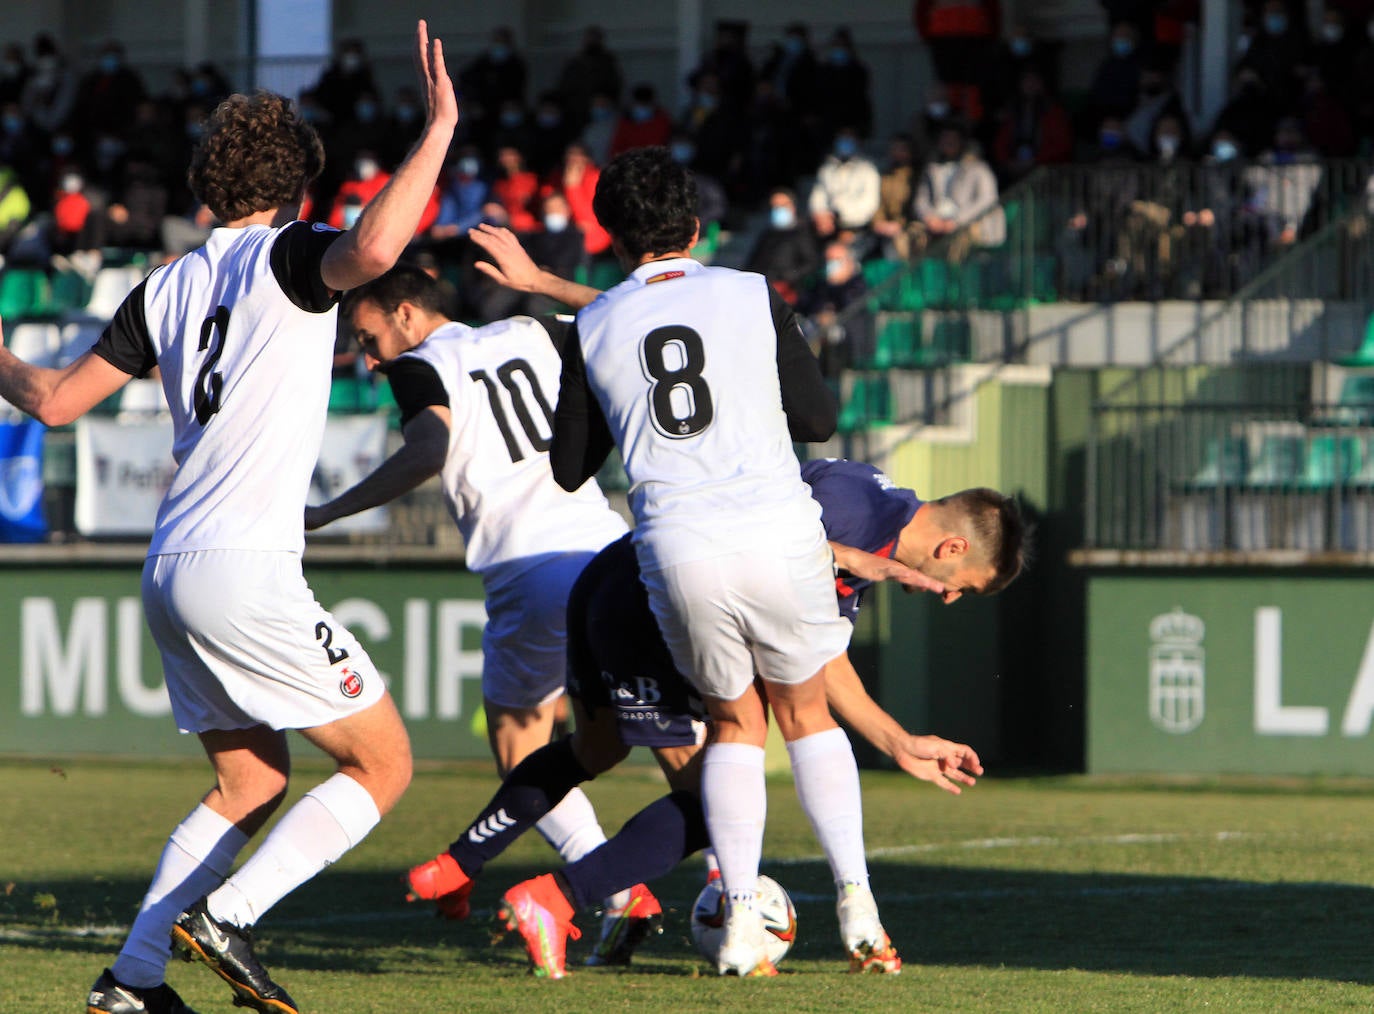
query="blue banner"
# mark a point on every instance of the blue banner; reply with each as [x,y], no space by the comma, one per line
[21,481]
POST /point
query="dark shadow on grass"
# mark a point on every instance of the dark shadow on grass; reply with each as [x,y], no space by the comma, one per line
[1132,924]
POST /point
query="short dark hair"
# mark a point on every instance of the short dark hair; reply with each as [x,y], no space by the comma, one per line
[404,283]
[647,201]
[997,530]
[257,153]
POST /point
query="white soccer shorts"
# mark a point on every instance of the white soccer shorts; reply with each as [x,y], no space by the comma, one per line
[727,617]
[524,645]
[244,643]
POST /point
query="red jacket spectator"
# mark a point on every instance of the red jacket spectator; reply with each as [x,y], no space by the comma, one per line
[644,124]
[577,182]
[356,193]
[517,189]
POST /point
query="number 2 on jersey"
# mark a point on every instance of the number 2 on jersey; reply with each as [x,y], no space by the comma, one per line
[209,381]
[678,396]
[506,373]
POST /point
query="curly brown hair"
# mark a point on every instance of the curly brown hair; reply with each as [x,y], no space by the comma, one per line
[257,153]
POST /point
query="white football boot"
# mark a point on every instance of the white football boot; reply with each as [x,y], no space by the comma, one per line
[743,951]
[868,945]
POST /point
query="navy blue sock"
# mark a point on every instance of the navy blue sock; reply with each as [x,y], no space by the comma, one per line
[534,787]
[650,844]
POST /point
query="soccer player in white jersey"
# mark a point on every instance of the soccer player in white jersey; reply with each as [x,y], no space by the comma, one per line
[242,331]
[477,410]
[702,378]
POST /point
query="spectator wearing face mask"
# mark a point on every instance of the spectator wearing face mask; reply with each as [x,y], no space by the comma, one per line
[14,73]
[1089,244]
[1151,239]
[108,93]
[960,35]
[719,129]
[786,252]
[1217,229]
[365,129]
[1250,113]
[1158,99]
[1279,47]
[576,180]
[50,92]
[643,123]
[549,134]
[847,190]
[344,81]
[839,341]
[892,222]
[463,196]
[842,82]
[19,142]
[1034,129]
[1116,84]
[403,123]
[957,197]
[557,246]
[602,118]
[712,204]
[364,183]
[495,77]
[593,70]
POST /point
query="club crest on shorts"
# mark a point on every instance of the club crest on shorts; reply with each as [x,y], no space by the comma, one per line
[351,685]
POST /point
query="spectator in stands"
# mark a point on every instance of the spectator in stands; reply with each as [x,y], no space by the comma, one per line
[14,73]
[462,197]
[843,84]
[20,145]
[365,129]
[159,140]
[1325,118]
[793,75]
[840,340]
[643,123]
[719,129]
[1282,185]
[1159,98]
[778,148]
[512,128]
[183,233]
[107,95]
[1336,50]
[344,81]
[1153,229]
[1279,48]
[957,197]
[1034,128]
[482,299]
[1009,60]
[1088,256]
[892,221]
[516,188]
[847,190]
[401,125]
[76,222]
[137,207]
[712,204]
[496,77]
[961,35]
[1250,114]
[728,63]
[600,129]
[1116,85]
[1216,230]
[549,135]
[558,247]
[366,180]
[576,180]
[593,70]
[14,207]
[50,93]
[786,252]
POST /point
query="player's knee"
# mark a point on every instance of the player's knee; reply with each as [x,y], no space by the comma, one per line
[598,753]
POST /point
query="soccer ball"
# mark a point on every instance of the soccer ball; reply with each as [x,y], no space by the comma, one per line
[779,919]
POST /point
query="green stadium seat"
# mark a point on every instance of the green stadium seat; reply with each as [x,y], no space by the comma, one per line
[883,286]
[1225,463]
[348,395]
[898,341]
[950,341]
[1331,461]
[69,291]
[604,274]
[1355,406]
[708,243]
[1364,355]
[1279,462]
[23,293]
[869,403]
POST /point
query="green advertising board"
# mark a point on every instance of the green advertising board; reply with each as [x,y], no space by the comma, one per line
[82,675]
[1265,671]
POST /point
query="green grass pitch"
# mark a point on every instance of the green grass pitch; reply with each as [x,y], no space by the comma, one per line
[1023,895]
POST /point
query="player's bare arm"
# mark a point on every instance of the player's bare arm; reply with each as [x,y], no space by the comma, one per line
[515,269]
[389,220]
[871,567]
[941,762]
[421,457]
[57,397]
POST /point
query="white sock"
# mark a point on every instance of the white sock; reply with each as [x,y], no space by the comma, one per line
[571,827]
[736,802]
[827,779]
[712,863]
[198,855]
[327,821]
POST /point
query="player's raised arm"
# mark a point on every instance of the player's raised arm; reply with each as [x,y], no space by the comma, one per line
[941,762]
[515,269]
[57,397]
[389,220]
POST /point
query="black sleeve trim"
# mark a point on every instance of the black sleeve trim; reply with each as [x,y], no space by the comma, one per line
[807,400]
[296,257]
[126,344]
[581,437]
[416,386]
[558,327]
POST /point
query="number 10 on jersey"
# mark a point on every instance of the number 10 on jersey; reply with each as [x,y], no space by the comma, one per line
[673,359]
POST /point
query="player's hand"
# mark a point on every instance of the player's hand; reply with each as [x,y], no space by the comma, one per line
[514,268]
[315,517]
[441,104]
[943,763]
[871,567]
